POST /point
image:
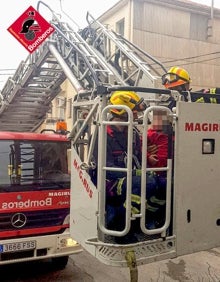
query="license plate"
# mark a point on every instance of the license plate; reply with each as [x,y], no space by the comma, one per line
[16,247]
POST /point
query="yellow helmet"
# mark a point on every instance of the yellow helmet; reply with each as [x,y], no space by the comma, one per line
[127,98]
[174,77]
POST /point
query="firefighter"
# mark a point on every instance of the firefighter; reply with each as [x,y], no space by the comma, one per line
[176,79]
[179,79]
[116,157]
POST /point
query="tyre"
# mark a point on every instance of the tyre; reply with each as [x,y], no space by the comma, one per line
[60,263]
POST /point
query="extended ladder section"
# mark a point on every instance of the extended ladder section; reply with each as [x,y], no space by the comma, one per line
[26,97]
[135,66]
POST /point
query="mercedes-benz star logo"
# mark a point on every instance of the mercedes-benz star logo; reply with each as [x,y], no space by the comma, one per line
[18,220]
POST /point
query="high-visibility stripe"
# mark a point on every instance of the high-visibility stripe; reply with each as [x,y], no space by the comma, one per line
[151,208]
[213,100]
[136,199]
[119,186]
[157,201]
[134,210]
[200,100]
[212,90]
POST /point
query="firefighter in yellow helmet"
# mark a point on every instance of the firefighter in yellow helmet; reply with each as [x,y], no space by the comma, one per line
[179,79]
[176,79]
[126,98]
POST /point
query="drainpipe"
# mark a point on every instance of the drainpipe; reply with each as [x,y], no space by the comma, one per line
[212,9]
[210,20]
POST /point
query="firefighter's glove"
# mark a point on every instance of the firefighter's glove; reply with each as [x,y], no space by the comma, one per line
[136,172]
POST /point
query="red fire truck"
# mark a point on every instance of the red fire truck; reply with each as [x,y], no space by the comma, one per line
[35,198]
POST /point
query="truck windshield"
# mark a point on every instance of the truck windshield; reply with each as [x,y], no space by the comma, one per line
[30,165]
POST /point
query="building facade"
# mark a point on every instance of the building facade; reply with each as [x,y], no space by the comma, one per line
[180,33]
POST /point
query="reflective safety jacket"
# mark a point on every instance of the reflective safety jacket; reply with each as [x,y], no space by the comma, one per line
[206,98]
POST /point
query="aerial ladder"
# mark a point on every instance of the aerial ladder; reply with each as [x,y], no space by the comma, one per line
[92,64]
[26,96]
[93,60]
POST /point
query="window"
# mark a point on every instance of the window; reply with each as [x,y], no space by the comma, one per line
[29,165]
[69,108]
[198,27]
[120,27]
[61,107]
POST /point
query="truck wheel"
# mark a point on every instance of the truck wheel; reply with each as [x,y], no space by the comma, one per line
[60,263]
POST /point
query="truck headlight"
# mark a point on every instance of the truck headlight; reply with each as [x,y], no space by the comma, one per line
[68,242]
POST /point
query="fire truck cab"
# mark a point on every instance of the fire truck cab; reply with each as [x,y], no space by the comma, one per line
[35,198]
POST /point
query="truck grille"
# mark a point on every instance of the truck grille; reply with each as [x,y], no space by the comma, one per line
[35,219]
